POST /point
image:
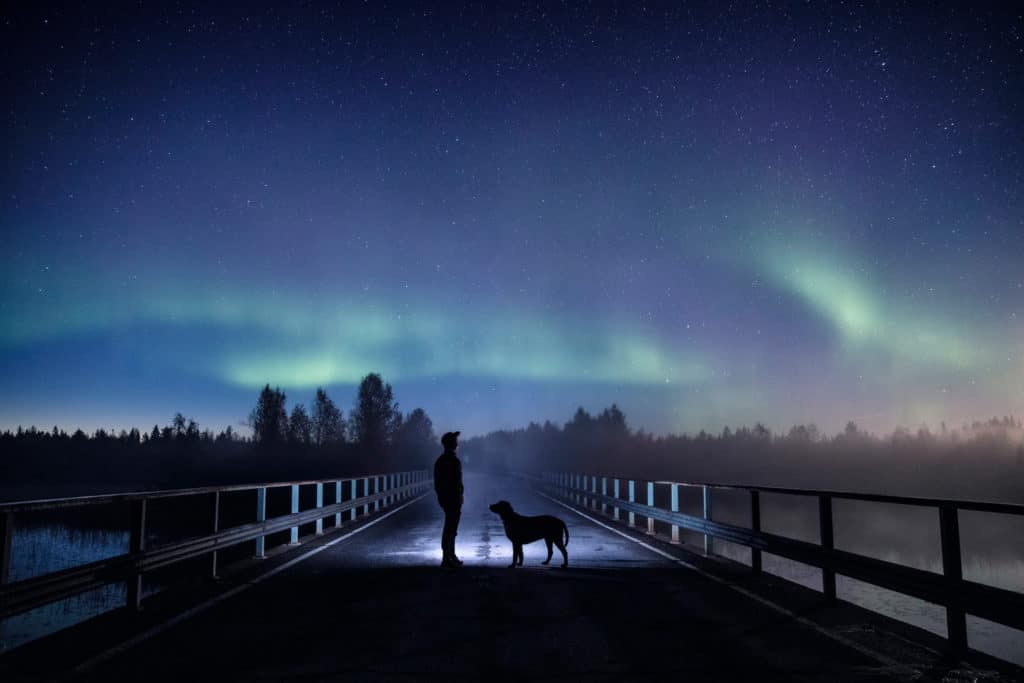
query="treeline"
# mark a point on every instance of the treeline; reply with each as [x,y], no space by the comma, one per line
[285,444]
[982,460]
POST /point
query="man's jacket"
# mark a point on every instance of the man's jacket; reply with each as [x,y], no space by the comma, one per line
[448,480]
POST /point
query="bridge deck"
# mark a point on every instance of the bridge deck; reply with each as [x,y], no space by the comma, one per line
[376,607]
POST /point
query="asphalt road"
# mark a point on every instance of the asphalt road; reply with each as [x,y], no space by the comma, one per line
[377,607]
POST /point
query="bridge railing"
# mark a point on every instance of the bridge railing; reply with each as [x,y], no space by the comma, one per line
[25,594]
[617,497]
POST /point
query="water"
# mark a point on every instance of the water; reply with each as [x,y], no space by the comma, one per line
[39,550]
[985,636]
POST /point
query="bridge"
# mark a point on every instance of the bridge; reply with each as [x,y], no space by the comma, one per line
[339,580]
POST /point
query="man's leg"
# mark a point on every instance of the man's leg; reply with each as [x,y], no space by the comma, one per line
[456,514]
[447,538]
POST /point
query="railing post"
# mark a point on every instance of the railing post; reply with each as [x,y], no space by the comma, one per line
[632,499]
[261,516]
[6,535]
[604,492]
[337,499]
[615,509]
[319,504]
[215,513]
[952,569]
[376,490]
[593,491]
[675,508]
[709,541]
[828,576]
[650,504]
[354,489]
[366,493]
[136,545]
[295,508]
[755,524]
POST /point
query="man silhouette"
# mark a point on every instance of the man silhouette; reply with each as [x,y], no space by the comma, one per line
[448,486]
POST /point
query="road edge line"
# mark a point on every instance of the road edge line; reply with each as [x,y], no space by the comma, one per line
[804,621]
[156,630]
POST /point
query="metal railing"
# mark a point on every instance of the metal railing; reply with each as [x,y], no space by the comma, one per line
[26,594]
[949,589]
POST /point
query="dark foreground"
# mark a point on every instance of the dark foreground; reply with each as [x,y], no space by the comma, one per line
[376,607]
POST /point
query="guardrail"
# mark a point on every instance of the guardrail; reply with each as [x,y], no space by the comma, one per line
[23,595]
[957,595]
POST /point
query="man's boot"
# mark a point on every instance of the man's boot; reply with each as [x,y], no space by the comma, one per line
[456,562]
[446,553]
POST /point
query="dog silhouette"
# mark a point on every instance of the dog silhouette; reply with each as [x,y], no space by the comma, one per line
[521,529]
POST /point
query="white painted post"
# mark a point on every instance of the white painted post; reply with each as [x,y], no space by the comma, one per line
[650,504]
[337,499]
[632,499]
[593,490]
[675,508]
[261,516]
[366,492]
[615,509]
[354,486]
[604,492]
[295,508]
[376,489]
[709,540]
[319,504]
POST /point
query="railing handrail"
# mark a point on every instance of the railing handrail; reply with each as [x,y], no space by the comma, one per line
[958,595]
[129,496]
[24,594]
[959,503]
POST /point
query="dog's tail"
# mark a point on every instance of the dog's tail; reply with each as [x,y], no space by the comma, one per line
[565,530]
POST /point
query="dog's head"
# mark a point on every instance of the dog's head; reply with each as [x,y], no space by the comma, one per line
[501,508]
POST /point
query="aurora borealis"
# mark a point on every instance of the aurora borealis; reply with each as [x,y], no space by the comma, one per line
[710,216]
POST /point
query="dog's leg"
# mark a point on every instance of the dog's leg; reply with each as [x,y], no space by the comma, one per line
[520,554]
[565,553]
[548,541]
[515,554]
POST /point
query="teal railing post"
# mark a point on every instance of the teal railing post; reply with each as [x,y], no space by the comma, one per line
[319,504]
[755,525]
[675,508]
[632,499]
[615,509]
[709,541]
[295,508]
[337,499]
[261,516]
[650,504]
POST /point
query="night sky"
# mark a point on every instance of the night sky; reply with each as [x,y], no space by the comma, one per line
[778,212]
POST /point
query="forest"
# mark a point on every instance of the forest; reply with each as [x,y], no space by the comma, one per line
[981,460]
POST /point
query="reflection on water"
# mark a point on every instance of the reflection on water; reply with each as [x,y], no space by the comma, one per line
[40,550]
[995,639]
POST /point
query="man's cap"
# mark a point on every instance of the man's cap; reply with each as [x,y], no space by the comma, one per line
[449,438]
